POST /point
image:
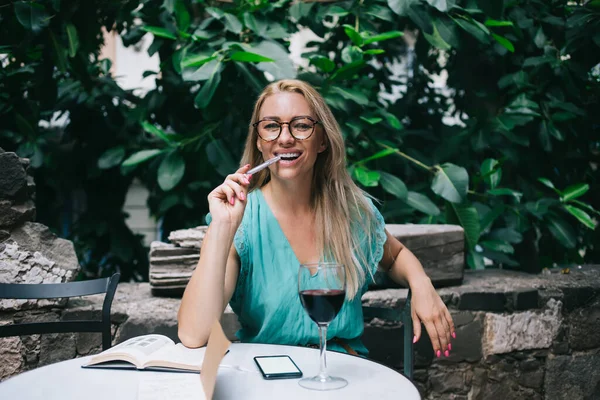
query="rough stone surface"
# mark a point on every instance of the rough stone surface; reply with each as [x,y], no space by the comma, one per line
[581,323]
[15,214]
[520,331]
[11,361]
[188,237]
[13,178]
[573,377]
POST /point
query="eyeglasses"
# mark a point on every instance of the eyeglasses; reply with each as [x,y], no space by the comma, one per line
[301,128]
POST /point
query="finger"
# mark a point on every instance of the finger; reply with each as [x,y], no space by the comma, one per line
[241,179]
[238,190]
[450,323]
[416,328]
[243,169]
[433,336]
[447,330]
[441,331]
[229,193]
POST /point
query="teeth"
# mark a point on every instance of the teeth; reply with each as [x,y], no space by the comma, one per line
[290,155]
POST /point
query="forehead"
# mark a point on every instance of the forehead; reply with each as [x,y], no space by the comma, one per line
[285,105]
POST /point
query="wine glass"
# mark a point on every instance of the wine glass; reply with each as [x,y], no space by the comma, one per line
[322,289]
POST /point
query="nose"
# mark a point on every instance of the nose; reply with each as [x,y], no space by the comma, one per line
[286,136]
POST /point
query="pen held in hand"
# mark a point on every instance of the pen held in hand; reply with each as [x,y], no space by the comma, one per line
[264,165]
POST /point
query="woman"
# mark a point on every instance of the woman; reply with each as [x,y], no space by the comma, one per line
[304,208]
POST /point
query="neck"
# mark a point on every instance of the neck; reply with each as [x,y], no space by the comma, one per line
[292,196]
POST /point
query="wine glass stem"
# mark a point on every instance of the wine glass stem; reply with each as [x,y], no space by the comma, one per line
[323,348]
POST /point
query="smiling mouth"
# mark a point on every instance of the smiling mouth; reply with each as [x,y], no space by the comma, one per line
[288,156]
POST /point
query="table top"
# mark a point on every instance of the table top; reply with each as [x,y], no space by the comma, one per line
[238,378]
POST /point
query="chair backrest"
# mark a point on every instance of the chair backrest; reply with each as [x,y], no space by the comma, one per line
[403,315]
[63,290]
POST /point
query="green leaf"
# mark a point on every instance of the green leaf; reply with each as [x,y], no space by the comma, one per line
[257,25]
[159,32]
[378,155]
[207,91]
[383,36]
[352,94]
[153,130]
[336,11]
[519,79]
[353,35]
[487,220]
[73,40]
[497,245]
[381,12]
[220,157]
[575,191]
[422,203]
[491,172]
[581,215]
[475,260]
[506,192]
[401,7]
[215,12]
[392,120]
[470,26]
[204,72]
[442,5]
[546,182]
[251,79]
[374,51]
[371,120]
[111,157]
[140,157]
[504,42]
[500,258]
[245,56]
[170,171]
[25,127]
[59,53]
[182,16]
[282,67]
[466,216]
[493,22]
[436,40]
[323,63]
[232,23]
[31,15]
[393,185]
[196,60]
[562,231]
[586,207]
[451,182]
[347,71]
[352,54]
[366,178]
[507,235]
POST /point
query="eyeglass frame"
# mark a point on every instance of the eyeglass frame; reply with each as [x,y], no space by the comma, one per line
[315,123]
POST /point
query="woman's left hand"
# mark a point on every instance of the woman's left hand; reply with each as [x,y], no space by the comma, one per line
[428,307]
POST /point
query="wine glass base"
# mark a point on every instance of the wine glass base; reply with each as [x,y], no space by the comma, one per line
[323,383]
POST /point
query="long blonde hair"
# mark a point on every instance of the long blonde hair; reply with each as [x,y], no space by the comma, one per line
[342,212]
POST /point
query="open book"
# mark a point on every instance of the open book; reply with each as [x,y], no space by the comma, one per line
[150,352]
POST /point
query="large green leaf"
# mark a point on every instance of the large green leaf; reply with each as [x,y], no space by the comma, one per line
[436,40]
[351,94]
[473,29]
[32,15]
[491,172]
[497,245]
[323,63]
[393,185]
[504,42]
[581,215]
[140,157]
[352,54]
[60,53]
[111,157]
[207,91]
[353,35]
[153,130]
[246,56]
[422,203]
[442,5]
[251,78]
[562,231]
[475,260]
[182,16]
[401,7]
[282,67]
[73,40]
[383,36]
[451,182]
[232,23]
[365,177]
[506,234]
[506,192]
[575,191]
[466,216]
[170,171]
[160,32]
[220,157]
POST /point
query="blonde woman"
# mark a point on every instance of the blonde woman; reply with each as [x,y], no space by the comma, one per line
[305,208]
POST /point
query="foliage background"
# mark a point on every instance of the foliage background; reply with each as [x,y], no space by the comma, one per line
[509,148]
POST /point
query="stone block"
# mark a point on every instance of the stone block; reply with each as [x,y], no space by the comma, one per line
[56,347]
[521,331]
[467,345]
[13,178]
[448,381]
[482,301]
[524,300]
[12,214]
[11,360]
[573,377]
[584,327]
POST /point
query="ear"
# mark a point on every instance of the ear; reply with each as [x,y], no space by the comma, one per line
[259,145]
[322,146]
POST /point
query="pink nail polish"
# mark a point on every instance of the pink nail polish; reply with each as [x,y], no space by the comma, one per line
[454,335]
[232,201]
[415,339]
[447,353]
[439,353]
[449,347]
[242,196]
[249,176]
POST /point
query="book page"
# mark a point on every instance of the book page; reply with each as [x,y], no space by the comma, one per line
[177,356]
[135,350]
[169,386]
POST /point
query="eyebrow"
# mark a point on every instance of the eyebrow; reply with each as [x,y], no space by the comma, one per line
[275,118]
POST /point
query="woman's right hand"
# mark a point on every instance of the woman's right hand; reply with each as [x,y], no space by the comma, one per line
[227,201]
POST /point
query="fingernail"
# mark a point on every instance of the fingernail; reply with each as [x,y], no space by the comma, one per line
[242,196]
[232,201]
[414,339]
[447,353]
[449,347]
[247,165]
[249,176]
[454,335]
[247,181]
[439,353]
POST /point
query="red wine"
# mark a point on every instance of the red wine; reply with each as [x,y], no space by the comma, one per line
[322,305]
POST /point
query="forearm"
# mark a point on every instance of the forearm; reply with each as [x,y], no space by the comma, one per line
[407,269]
[203,299]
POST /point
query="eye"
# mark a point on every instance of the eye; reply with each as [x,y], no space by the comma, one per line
[270,126]
[302,125]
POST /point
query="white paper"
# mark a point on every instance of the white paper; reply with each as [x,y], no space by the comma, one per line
[170,386]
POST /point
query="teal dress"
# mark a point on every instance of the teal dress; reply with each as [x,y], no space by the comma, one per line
[266,298]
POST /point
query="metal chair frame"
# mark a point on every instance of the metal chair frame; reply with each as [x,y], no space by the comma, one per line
[63,290]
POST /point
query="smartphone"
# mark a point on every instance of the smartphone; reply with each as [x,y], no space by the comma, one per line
[277,367]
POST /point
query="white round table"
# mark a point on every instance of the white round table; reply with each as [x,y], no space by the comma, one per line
[238,378]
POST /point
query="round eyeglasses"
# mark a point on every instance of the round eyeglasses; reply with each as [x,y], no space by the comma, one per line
[301,128]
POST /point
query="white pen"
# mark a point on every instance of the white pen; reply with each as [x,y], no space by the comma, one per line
[264,165]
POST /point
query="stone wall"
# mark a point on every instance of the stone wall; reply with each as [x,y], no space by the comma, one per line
[519,336]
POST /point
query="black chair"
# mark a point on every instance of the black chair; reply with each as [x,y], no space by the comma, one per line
[62,290]
[403,315]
